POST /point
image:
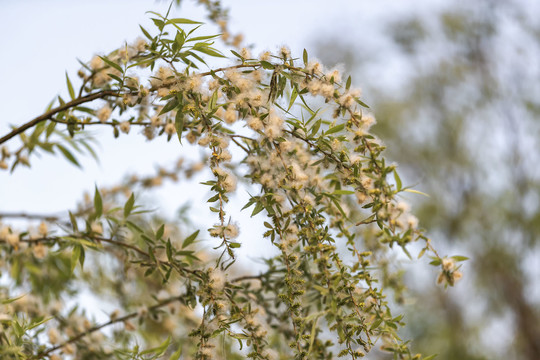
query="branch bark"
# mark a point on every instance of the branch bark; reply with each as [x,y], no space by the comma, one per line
[52,112]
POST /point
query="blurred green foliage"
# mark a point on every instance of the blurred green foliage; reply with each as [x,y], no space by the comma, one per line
[464,125]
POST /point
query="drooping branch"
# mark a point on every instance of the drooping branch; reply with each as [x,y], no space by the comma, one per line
[79,336]
[52,112]
[25,215]
[117,243]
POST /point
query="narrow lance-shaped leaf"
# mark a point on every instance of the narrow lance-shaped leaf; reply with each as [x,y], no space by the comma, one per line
[68,155]
[179,124]
[76,253]
[176,354]
[190,239]
[335,129]
[129,205]
[182,21]
[416,192]
[208,51]
[237,55]
[70,87]
[160,231]
[111,64]
[398,180]
[158,350]
[293,98]
[98,203]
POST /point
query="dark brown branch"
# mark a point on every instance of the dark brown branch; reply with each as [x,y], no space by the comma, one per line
[50,113]
[240,145]
[112,242]
[77,337]
[30,216]
[110,123]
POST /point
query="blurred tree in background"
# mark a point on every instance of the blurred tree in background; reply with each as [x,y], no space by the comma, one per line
[280,128]
[463,123]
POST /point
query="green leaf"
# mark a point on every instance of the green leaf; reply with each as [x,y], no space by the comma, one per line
[366,220]
[115,78]
[320,289]
[159,23]
[176,354]
[112,64]
[38,322]
[68,155]
[169,250]
[416,192]
[234,245]
[237,55]
[258,208]
[190,239]
[305,57]
[134,227]
[38,130]
[459,258]
[180,39]
[129,205]
[316,127]
[179,124]
[213,101]
[158,350]
[8,301]
[160,231]
[82,257]
[146,33]
[208,51]
[199,38]
[294,95]
[70,87]
[362,103]
[335,129]
[348,85]
[343,192]
[50,129]
[182,21]
[73,222]
[375,324]
[406,252]
[398,180]
[98,203]
[435,262]
[75,254]
[169,106]
[266,65]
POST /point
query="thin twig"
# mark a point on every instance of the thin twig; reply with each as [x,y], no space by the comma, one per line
[79,336]
[56,110]
[240,145]
[112,242]
[30,216]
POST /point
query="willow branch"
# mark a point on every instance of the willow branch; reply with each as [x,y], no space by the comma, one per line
[24,215]
[239,144]
[52,112]
[115,243]
[79,336]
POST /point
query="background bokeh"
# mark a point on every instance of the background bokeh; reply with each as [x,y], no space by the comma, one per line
[455,88]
